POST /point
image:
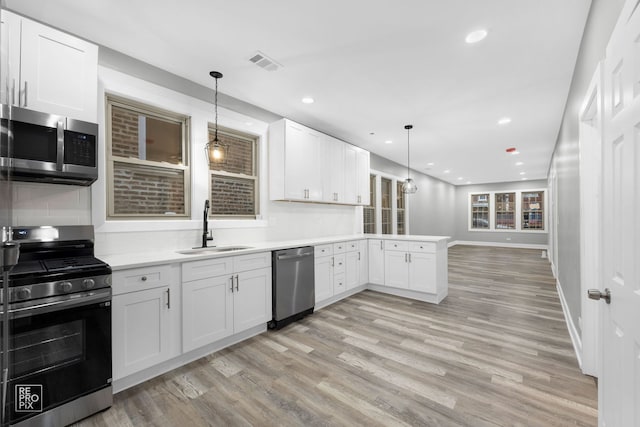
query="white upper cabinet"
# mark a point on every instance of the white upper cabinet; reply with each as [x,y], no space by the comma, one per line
[305,165]
[48,70]
[334,171]
[294,162]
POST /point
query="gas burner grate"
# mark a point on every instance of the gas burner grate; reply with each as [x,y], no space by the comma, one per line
[72,263]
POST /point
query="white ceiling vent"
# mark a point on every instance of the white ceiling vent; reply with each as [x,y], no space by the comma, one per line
[263,61]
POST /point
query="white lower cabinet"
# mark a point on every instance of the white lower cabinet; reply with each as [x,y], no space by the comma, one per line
[323,272]
[216,307]
[414,266]
[337,269]
[363,262]
[396,269]
[145,318]
[376,261]
[352,270]
[422,272]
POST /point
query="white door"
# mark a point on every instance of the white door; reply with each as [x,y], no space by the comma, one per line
[396,269]
[619,383]
[252,299]
[208,311]
[323,271]
[422,272]
[58,72]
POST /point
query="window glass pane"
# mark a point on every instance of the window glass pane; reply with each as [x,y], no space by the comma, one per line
[232,196]
[386,206]
[139,136]
[480,211]
[238,154]
[369,212]
[506,211]
[533,210]
[147,190]
[400,209]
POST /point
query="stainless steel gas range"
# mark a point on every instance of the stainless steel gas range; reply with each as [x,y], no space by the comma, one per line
[59,319]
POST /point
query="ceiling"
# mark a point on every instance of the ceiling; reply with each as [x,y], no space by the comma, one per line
[371,67]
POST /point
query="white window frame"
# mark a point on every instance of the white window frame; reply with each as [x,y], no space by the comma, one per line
[394,205]
[518,212]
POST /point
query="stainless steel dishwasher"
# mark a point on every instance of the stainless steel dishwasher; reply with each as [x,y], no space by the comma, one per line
[294,292]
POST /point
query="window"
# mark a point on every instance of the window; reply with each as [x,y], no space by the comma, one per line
[386,206]
[506,211]
[480,211]
[147,161]
[533,210]
[400,208]
[233,181]
[370,211]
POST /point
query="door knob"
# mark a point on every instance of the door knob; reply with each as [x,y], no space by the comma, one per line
[596,294]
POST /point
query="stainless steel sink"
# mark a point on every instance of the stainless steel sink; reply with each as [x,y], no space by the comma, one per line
[213,249]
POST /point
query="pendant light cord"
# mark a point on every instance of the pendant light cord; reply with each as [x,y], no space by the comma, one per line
[216,103]
[408,148]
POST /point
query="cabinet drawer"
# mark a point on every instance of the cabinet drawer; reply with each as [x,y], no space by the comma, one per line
[251,261]
[138,279]
[338,263]
[353,246]
[396,245]
[339,248]
[195,270]
[323,250]
[426,247]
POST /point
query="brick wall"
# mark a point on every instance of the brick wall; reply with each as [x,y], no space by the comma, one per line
[239,156]
[124,132]
[141,191]
[232,196]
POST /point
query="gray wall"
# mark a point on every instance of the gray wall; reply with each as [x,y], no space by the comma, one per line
[565,161]
[430,210]
[462,217]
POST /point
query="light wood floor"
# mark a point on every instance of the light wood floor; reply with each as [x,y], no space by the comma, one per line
[496,351]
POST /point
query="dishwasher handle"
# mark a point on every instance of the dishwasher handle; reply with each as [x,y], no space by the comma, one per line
[297,256]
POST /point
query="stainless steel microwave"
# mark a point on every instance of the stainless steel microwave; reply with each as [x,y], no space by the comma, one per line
[36,146]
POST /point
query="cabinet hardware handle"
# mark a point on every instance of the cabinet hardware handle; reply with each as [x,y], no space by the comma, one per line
[405,257]
[333,261]
[143,278]
[359,199]
[237,284]
[25,94]
[231,284]
[380,244]
[358,256]
[409,257]
[169,298]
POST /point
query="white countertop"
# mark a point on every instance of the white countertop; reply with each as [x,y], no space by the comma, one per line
[132,260]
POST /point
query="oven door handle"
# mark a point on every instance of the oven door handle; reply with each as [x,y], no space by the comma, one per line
[96,297]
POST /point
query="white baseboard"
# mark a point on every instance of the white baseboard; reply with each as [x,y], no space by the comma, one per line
[499,244]
[576,340]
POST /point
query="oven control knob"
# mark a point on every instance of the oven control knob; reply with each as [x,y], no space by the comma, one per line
[88,283]
[65,286]
[23,293]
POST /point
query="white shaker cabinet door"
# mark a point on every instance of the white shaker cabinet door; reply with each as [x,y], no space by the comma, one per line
[396,270]
[422,272]
[208,311]
[352,270]
[376,262]
[303,152]
[145,329]
[323,271]
[251,299]
[58,73]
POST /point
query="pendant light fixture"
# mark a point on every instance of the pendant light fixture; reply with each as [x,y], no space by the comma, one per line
[216,151]
[408,186]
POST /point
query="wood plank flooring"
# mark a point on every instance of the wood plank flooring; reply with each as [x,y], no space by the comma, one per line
[495,352]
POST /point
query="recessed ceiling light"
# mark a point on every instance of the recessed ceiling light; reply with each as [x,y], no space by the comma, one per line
[460,178]
[522,173]
[519,163]
[504,121]
[514,152]
[476,36]
[447,171]
[524,179]
[248,123]
[468,182]
[430,164]
[388,141]
[308,100]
